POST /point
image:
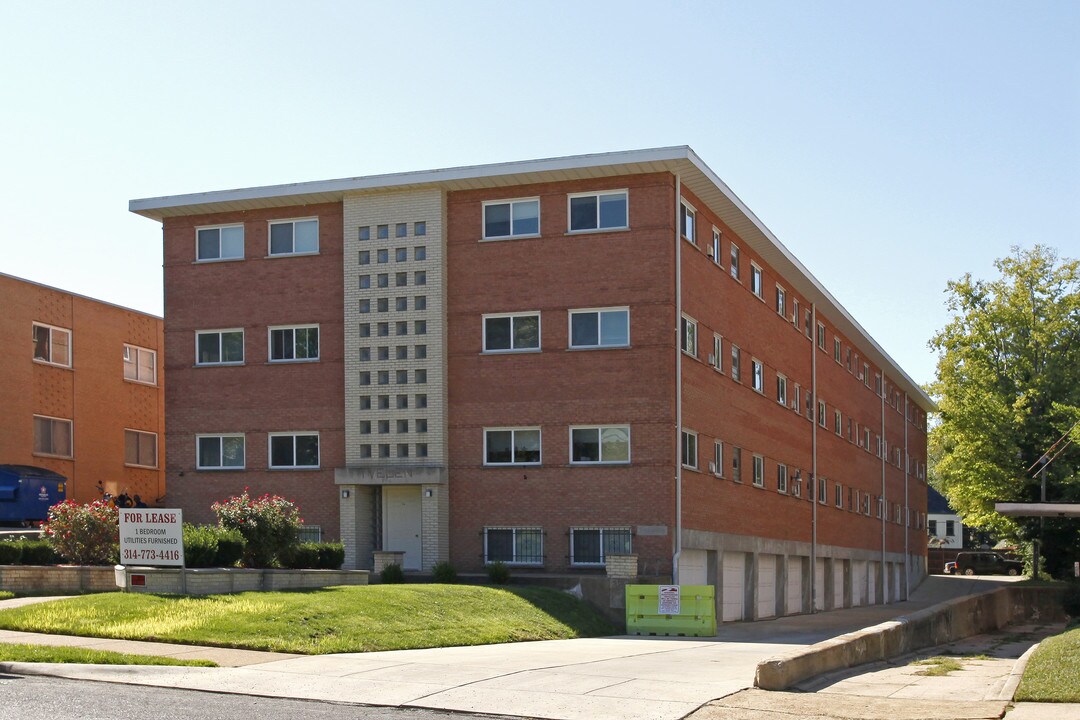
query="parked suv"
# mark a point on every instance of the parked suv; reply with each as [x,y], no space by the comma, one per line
[986,563]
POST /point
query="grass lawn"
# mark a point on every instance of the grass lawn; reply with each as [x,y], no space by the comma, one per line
[49,654]
[330,620]
[1053,673]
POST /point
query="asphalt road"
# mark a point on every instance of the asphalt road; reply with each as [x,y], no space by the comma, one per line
[41,698]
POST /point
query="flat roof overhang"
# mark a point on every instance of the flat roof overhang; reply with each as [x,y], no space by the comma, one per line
[679,160]
[1038,509]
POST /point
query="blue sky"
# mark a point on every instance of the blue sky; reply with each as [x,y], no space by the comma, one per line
[891,147]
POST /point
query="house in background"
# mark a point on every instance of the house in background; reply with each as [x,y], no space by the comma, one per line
[82,391]
[551,364]
[943,526]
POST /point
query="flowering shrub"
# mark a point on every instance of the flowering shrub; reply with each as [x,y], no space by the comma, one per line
[84,534]
[270,525]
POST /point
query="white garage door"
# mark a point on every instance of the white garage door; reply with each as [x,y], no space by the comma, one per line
[766,586]
[692,570]
[858,583]
[794,585]
[734,585]
[896,582]
[871,582]
[819,584]
[838,583]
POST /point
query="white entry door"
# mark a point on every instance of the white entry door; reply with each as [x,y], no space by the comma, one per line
[401,522]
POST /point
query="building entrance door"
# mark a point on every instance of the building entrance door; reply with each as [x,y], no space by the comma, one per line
[401,522]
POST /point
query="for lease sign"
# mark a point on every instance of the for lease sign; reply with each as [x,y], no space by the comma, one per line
[151,536]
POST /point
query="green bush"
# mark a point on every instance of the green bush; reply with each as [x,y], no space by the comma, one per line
[200,546]
[444,572]
[270,524]
[36,552]
[10,553]
[392,574]
[302,557]
[84,534]
[230,547]
[498,573]
[1072,600]
[331,556]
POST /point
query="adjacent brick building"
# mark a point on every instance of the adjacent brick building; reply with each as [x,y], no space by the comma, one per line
[82,391]
[543,363]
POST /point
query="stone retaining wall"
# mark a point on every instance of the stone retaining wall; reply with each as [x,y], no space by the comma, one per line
[56,579]
[220,581]
[936,625]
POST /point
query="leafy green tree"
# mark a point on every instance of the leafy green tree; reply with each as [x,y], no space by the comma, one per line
[1008,385]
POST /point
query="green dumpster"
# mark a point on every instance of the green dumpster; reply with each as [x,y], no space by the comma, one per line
[674,610]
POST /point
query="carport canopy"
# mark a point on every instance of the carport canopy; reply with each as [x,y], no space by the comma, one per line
[1038,509]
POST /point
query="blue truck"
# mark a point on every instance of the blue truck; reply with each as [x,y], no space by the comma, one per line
[27,493]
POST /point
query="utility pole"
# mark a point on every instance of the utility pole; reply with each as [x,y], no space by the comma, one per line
[1037,545]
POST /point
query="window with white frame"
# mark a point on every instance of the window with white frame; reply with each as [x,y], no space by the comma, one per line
[796,399]
[514,545]
[140,448]
[821,336]
[716,359]
[836,349]
[795,313]
[225,242]
[759,471]
[689,449]
[756,281]
[511,332]
[591,546]
[838,423]
[294,237]
[598,211]
[847,359]
[294,343]
[807,314]
[599,328]
[822,421]
[689,336]
[866,439]
[736,464]
[781,478]
[823,490]
[877,385]
[220,452]
[686,222]
[718,459]
[781,389]
[781,301]
[716,246]
[757,375]
[850,434]
[294,450]
[512,218]
[736,363]
[219,347]
[52,436]
[512,446]
[735,261]
[600,444]
[838,492]
[52,345]
[140,365]
[865,374]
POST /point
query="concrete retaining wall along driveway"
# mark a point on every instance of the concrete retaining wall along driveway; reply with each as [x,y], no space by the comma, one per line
[936,625]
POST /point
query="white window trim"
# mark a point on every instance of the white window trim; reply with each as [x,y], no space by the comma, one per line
[838,352]
[797,395]
[821,336]
[718,458]
[838,422]
[596,194]
[293,434]
[494,316]
[54,328]
[221,436]
[578,311]
[600,429]
[512,430]
[510,201]
[293,221]
[781,301]
[682,442]
[219,228]
[782,478]
[757,375]
[683,326]
[757,479]
[603,556]
[735,254]
[838,492]
[717,355]
[717,237]
[71,436]
[822,408]
[138,349]
[270,343]
[219,332]
[781,389]
[156,448]
[690,211]
[759,291]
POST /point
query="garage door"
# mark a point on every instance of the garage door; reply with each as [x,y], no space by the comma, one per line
[766,586]
[838,583]
[819,583]
[734,585]
[794,586]
[871,582]
[896,582]
[858,582]
[692,570]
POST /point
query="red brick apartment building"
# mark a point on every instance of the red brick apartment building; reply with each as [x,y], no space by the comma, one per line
[544,363]
[82,394]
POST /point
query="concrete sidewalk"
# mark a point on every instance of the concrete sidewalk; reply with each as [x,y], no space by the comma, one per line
[598,678]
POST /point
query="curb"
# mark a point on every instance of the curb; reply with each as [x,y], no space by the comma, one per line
[1008,690]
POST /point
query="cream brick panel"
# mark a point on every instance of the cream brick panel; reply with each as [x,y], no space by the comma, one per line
[390,208]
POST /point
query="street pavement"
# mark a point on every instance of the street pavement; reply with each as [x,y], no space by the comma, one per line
[633,678]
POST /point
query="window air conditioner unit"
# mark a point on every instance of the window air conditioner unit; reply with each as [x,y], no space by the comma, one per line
[709,251]
[712,467]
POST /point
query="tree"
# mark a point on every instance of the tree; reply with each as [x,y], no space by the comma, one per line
[1008,386]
